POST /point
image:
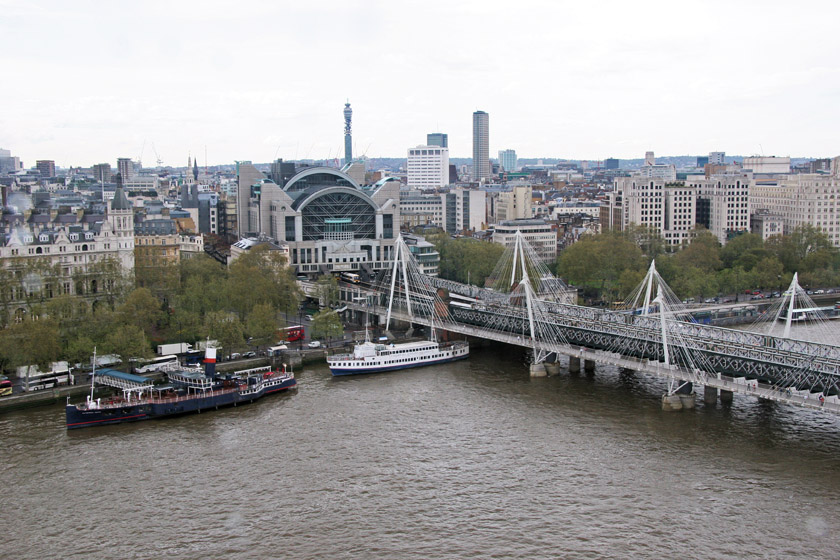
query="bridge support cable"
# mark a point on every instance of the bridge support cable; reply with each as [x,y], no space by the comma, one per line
[796,306]
[521,315]
[639,301]
[520,260]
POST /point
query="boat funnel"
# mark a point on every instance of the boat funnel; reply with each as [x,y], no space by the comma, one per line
[210,362]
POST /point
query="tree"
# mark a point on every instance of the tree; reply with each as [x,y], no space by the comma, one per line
[226,328]
[328,291]
[467,259]
[792,249]
[261,325]
[600,261]
[261,276]
[744,250]
[30,343]
[327,324]
[142,309]
[127,341]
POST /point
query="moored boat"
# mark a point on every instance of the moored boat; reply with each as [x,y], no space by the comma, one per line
[187,390]
[371,357]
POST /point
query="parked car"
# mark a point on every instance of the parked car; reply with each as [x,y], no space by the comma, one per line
[249,355]
[235,356]
[309,317]
[315,344]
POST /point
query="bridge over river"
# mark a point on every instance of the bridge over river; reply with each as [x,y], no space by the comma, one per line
[529,307]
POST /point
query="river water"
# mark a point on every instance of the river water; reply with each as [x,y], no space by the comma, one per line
[466,460]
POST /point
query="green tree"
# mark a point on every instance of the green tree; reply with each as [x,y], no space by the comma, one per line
[226,328]
[326,324]
[142,309]
[792,249]
[30,343]
[600,261]
[744,250]
[262,324]
[466,259]
[328,291]
[127,341]
[261,276]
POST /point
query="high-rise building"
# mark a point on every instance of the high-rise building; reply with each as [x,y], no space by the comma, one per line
[610,163]
[428,167]
[46,167]
[348,137]
[507,159]
[801,199]
[437,139]
[717,158]
[702,161]
[650,159]
[125,168]
[102,172]
[481,146]
[8,162]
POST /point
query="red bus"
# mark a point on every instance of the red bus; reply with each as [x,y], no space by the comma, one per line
[294,333]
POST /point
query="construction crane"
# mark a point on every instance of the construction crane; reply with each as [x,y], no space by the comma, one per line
[157,156]
[140,157]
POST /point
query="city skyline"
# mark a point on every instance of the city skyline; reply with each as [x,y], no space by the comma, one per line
[582,82]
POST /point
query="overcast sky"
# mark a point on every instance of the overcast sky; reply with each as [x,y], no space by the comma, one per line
[89,81]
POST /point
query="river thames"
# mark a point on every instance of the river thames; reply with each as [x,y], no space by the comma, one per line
[467,460]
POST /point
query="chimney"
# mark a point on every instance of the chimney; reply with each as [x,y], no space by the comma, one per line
[210,362]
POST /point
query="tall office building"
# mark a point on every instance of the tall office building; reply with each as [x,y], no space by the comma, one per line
[102,172]
[46,167]
[437,139]
[428,167]
[717,158]
[650,159]
[481,146]
[348,137]
[611,163]
[125,168]
[507,159]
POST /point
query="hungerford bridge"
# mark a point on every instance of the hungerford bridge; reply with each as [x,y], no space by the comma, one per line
[527,306]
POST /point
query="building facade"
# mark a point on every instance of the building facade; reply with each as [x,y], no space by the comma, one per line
[437,139]
[507,159]
[481,146]
[802,199]
[537,232]
[328,221]
[428,167]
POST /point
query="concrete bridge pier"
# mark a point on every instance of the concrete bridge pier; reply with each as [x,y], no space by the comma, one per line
[552,367]
[671,403]
[538,370]
[574,364]
[682,399]
[589,367]
[710,395]
[726,396]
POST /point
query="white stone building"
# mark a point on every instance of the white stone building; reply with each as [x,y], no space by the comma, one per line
[428,167]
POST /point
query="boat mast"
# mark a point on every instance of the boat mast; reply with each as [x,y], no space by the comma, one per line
[93,373]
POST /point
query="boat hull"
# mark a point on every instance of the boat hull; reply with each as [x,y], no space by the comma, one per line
[83,418]
[338,371]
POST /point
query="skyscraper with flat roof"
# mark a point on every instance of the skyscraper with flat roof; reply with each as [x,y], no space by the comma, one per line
[46,167]
[125,168]
[507,159]
[481,146]
[437,139]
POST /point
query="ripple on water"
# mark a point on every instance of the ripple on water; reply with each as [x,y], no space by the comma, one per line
[467,460]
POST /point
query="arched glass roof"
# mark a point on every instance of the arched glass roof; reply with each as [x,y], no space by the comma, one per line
[319,177]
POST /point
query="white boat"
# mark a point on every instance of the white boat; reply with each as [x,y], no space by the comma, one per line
[372,357]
